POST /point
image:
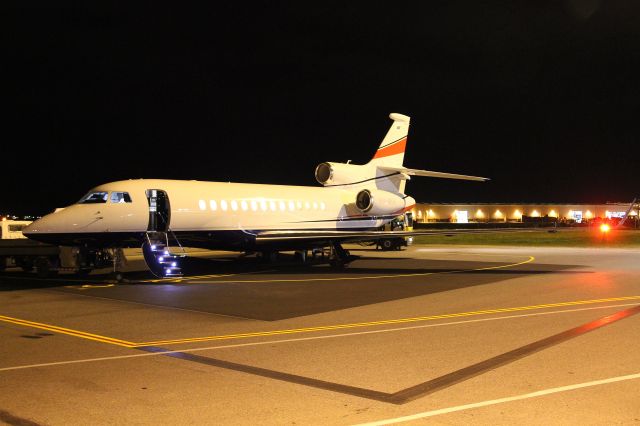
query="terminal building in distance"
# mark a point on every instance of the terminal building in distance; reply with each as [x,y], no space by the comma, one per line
[519,212]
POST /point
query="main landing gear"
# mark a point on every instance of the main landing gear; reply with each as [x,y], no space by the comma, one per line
[340,257]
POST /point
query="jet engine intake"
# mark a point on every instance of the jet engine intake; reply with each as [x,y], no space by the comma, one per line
[375,202]
[329,174]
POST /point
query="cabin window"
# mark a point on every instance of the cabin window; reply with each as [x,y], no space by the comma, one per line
[120,197]
[94,198]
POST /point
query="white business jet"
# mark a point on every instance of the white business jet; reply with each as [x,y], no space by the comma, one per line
[354,202]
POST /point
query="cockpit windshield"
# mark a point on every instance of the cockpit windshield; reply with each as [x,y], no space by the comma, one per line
[120,197]
[94,198]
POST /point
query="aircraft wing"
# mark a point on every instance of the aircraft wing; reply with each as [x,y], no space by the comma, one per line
[353,236]
[428,173]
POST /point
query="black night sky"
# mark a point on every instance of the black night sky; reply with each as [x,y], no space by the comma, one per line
[541,96]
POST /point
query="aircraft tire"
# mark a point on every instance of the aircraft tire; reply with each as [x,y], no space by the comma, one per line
[43,267]
[25,263]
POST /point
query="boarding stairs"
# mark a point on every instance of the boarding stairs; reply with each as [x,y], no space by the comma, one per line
[161,260]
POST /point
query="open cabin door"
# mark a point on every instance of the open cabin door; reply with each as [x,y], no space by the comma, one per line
[159,210]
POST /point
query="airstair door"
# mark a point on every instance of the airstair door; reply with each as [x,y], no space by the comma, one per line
[159,210]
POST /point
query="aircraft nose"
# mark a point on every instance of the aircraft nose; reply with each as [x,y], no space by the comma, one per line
[43,227]
[36,227]
[30,228]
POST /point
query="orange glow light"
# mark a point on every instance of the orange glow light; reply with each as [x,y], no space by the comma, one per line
[604,228]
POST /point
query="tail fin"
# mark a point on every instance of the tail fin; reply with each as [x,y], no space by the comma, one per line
[391,151]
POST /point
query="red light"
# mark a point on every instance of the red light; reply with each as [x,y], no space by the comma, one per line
[604,228]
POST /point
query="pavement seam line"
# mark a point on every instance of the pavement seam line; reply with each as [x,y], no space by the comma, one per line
[422,389]
[490,402]
[304,339]
[125,343]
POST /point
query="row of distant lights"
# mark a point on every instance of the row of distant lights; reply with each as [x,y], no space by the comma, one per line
[499,215]
[12,217]
[263,205]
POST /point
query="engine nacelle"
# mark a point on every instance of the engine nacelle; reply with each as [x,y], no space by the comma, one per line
[342,174]
[375,202]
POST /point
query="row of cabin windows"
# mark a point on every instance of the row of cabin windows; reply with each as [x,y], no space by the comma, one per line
[101,197]
[262,205]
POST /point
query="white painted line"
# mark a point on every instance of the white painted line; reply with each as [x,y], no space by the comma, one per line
[543,392]
[77,361]
[302,339]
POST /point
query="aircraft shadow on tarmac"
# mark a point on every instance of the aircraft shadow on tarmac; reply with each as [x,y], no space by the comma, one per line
[246,288]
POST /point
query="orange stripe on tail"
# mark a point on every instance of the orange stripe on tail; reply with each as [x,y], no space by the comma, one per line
[396,148]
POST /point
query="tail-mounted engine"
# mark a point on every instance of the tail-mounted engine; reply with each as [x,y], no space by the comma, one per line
[375,202]
[329,174]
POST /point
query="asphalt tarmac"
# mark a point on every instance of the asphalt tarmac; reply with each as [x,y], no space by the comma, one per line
[437,335]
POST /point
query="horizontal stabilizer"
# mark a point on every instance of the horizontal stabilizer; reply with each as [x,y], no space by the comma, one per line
[416,172]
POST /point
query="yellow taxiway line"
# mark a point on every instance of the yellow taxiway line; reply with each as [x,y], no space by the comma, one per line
[69,331]
[128,344]
[114,341]
[185,280]
[383,322]
[124,343]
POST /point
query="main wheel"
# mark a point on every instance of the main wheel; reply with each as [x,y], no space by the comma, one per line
[337,264]
[25,263]
[387,244]
[117,276]
[83,272]
[43,267]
